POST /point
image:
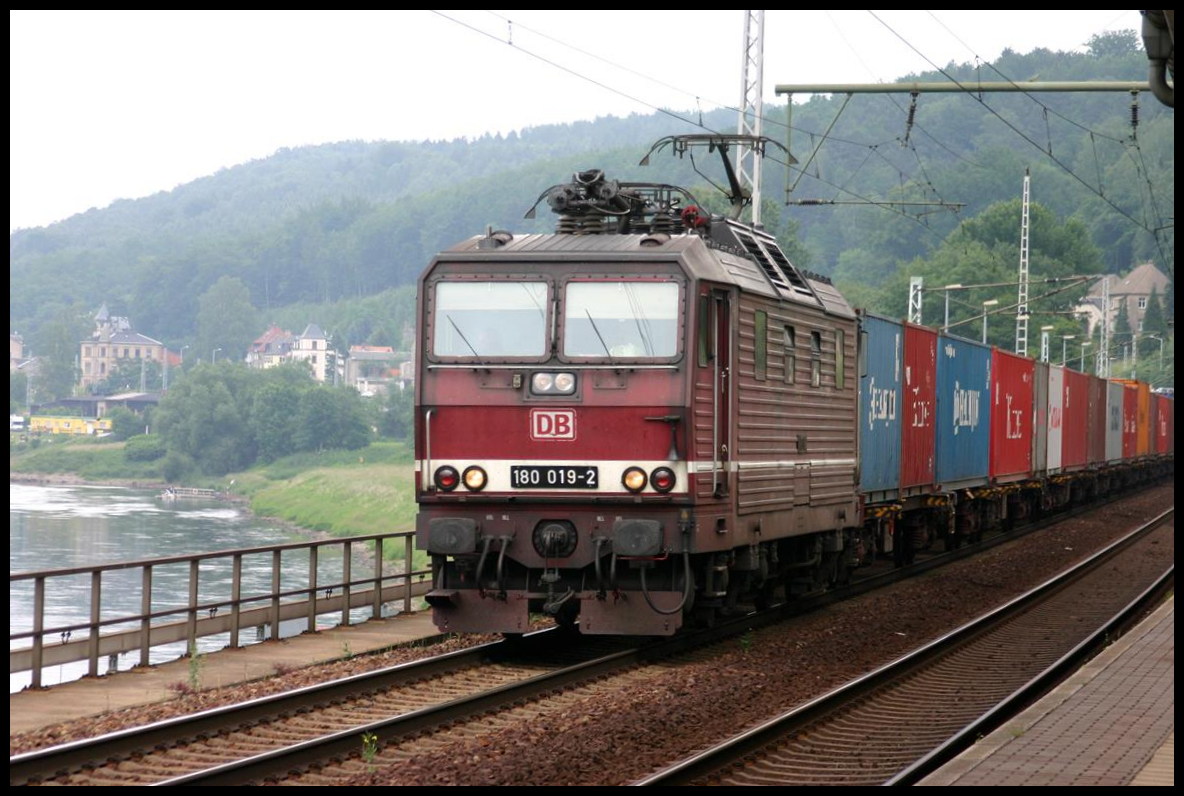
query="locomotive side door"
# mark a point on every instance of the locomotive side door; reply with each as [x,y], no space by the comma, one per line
[712,395]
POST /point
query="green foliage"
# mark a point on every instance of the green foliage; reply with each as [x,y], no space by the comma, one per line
[144,448]
[225,417]
[126,377]
[226,322]
[398,416]
[177,467]
[85,458]
[985,250]
[18,384]
[57,344]
[124,423]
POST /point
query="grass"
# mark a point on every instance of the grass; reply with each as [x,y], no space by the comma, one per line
[88,459]
[342,493]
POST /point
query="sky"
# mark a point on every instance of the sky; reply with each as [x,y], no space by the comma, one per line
[107,105]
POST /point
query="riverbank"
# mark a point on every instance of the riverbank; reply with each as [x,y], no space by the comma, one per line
[335,493]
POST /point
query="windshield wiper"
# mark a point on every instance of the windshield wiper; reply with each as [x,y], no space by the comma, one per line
[600,337]
[462,337]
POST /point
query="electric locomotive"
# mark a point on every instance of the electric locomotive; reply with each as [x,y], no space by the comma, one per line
[645,416]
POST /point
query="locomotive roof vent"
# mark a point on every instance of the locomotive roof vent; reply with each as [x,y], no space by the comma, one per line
[494,240]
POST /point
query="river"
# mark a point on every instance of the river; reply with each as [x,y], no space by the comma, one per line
[53,527]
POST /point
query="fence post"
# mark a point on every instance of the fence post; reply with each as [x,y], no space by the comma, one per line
[377,579]
[96,610]
[236,589]
[346,574]
[312,588]
[276,561]
[145,610]
[38,629]
[191,644]
[407,568]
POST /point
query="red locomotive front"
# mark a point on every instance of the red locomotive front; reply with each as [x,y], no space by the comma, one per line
[551,450]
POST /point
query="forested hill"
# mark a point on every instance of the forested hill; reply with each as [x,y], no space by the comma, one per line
[342,221]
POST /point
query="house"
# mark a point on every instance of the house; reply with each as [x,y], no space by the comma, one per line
[113,342]
[271,348]
[371,368]
[16,351]
[312,346]
[1134,289]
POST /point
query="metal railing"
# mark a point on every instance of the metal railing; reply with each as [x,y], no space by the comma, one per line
[196,618]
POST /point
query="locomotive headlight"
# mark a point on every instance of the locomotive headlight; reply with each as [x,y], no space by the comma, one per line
[565,383]
[634,479]
[663,479]
[475,478]
[553,383]
[447,478]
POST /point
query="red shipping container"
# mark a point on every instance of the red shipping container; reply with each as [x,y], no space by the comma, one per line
[1162,429]
[1130,425]
[919,434]
[1011,416]
[1097,419]
[1075,421]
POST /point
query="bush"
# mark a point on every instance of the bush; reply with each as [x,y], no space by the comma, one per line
[176,466]
[144,448]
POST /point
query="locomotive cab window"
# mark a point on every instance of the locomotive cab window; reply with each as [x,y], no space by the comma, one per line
[621,320]
[479,320]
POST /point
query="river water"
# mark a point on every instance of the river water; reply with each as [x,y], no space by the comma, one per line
[56,527]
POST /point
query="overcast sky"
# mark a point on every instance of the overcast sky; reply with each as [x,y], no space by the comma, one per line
[107,105]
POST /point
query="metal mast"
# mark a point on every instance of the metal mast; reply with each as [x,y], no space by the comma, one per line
[1021,318]
[1103,367]
[916,285]
[752,71]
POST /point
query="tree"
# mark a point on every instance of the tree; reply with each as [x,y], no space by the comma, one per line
[1153,324]
[226,320]
[125,376]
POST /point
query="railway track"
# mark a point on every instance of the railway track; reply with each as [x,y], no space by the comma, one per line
[904,720]
[271,737]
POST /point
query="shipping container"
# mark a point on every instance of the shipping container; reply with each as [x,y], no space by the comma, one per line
[1170,426]
[1040,429]
[1115,428]
[963,413]
[1143,419]
[879,409]
[1054,415]
[1011,417]
[1097,420]
[1162,427]
[1130,420]
[919,405]
[1075,419]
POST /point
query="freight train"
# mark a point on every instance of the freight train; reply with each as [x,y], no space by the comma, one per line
[652,415]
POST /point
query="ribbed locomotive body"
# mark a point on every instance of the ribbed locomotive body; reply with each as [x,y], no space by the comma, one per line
[629,425]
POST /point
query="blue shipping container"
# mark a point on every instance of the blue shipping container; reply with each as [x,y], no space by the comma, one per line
[963,412]
[879,409]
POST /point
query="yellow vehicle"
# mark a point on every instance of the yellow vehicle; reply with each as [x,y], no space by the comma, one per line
[85,426]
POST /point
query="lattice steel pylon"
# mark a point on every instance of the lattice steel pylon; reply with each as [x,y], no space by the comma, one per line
[1021,317]
[752,78]
[916,286]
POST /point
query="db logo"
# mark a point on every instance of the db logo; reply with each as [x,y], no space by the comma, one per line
[553,424]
